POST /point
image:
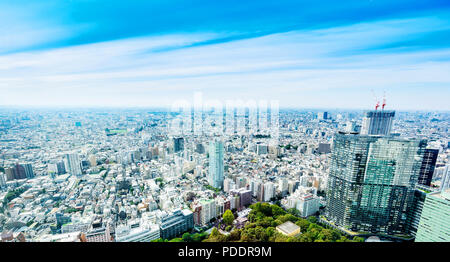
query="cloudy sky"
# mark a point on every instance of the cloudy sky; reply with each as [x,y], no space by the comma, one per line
[306,54]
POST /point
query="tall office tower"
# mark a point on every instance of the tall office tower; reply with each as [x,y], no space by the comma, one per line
[215,176]
[19,171]
[28,170]
[434,225]
[178,144]
[445,181]
[73,164]
[283,186]
[61,167]
[322,115]
[3,180]
[428,166]
[371,182]
[415,210]
[377,122]
[269,191]
[9,171]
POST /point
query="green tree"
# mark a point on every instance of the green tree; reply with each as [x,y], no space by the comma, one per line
[358,239]
[214,232]
[187,237]
[303,224]
[235,235]
[176,240]
[294,211]
[288,217]
[312,219]
[228,217]
[277,211]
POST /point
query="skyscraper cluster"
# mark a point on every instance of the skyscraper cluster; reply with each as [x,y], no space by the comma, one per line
[378,183]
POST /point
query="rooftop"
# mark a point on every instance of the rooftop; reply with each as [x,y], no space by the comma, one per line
[288,227]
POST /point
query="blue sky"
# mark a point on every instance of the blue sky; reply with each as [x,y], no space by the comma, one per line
[313,54]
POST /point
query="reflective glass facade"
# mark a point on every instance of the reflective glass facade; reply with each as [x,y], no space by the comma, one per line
[371,182]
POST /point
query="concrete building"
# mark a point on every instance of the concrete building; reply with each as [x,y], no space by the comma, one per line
[176,223]
[73,164]
[377,122]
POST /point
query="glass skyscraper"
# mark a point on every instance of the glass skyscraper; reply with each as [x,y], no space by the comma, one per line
[371,182]
[215,176]
[434,225]
[428,166]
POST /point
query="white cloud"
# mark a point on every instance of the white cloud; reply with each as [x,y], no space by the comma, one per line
[312,69]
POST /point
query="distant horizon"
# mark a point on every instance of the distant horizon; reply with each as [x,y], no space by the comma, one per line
[168,109]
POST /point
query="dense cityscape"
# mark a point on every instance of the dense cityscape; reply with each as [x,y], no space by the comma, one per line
[120,175]
[225,129]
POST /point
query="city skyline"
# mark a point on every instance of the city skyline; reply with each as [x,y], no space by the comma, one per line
[78,54]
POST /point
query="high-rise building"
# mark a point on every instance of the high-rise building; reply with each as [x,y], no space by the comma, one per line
[3,180]
[228,184]
[308,205]
[178,144]
[372,181]
[269,191]
[197,212]
[245,196]
[9,172]
[434,225]
[322,115]
[73,164]
[377,122]
[445,181]
[28,170]
[19,171]
[176,224]
[283,186]
[208,211]
[415,209]
[215,176]
[61,167]
[428,166]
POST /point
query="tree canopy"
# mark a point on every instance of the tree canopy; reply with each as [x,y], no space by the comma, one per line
[228,217]
[263,220]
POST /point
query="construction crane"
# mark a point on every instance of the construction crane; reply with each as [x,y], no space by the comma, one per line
[376,100]
[384,101]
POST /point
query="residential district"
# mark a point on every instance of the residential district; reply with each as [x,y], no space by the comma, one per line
[119,175]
